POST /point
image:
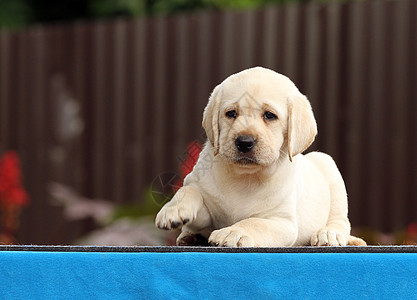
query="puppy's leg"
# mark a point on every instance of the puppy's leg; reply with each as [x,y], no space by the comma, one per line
[256,232]
[337,230]
[187,238]
[186,207]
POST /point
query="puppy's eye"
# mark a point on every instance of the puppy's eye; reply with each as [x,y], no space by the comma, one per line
[231,114]
[269,116]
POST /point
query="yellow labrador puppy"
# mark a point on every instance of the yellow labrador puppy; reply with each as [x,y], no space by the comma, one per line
[251,186]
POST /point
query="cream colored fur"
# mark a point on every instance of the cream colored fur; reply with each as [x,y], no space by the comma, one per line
[274,195]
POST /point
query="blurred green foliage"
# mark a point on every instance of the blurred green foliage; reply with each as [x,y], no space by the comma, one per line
[111,8]
[151,204]
[19,13]
[13,13]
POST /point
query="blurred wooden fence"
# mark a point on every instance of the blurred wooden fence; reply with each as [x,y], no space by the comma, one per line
[107,106]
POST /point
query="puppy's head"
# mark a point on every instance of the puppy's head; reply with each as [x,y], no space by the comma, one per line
[256,116]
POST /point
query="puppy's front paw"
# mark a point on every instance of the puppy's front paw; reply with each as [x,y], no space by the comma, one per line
[231,237]
[172,217]
[328,237]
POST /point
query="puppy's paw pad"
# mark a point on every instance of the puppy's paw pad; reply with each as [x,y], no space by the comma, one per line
[173,217]
[328,237]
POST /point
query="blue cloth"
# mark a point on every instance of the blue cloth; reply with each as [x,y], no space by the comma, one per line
[81,275]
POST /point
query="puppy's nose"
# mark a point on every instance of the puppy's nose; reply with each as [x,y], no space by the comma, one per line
[245,143]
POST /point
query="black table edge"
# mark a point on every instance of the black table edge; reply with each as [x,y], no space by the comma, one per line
[175,249]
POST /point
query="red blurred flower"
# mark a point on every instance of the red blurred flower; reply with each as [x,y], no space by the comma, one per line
[187,164]
[412,229]
[11,190]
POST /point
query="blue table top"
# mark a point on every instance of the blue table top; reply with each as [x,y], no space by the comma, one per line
[47,272]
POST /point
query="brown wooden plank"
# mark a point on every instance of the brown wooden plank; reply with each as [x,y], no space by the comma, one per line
[139,108]
[20,126]
[34,124]
[332,71]
[5,58]
[193,117]
[357,116]
[412,94]
[258,38]
[55,37]
[271,49]
[182,78]
[312,44]
[226,44]
[321,83]
[377,164]
[160,94]
[399,193]
[205,40]
[290,45]
[98,121]
[170,85]
[247,27]
[118,109]
[150,57]
[81,84]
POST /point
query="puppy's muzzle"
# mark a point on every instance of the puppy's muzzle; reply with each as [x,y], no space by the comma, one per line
[245,143]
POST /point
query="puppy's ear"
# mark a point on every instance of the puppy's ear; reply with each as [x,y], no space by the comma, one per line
[302,127]
[211,119]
